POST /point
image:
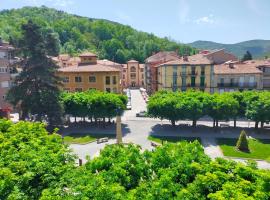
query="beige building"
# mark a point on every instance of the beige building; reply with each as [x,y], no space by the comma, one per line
[191,72]
[237,76]
[91,73]
[133,74]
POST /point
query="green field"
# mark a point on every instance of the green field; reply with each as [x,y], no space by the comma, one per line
[82,138]
[259,149]
[159,139]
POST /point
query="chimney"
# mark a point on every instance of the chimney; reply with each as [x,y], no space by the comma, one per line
[231,65]
[185,58]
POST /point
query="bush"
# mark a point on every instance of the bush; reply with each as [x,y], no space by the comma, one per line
[242,143]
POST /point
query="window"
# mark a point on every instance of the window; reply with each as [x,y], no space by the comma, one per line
[221,81]
[108,80]
[202,83]
[3,69]
[4,84]
[192,81]
[124,76]
[133,69]
[221,91]
[124,70]
[142,82]
[174,78]
[78,79]
[202,70]
[108,90]
[241,81]
[92,79]
[141,70]
[193,71]
[66,79]
[251,81]
[142,76]
[78,89]
[114,80]
[232,82]
[133,76]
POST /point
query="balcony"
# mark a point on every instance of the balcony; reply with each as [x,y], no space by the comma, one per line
[237,85]
[189,74]
[196,85]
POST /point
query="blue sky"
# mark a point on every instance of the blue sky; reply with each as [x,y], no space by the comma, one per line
[226,21]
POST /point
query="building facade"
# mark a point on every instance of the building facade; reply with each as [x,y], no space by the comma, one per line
[7,72]
[133,74]
[237,76]
[90,74]
[151,71]
[191,72]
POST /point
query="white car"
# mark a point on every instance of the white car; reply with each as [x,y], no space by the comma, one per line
[129,106]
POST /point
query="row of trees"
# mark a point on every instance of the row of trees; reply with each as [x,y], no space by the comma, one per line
[93,104]
[35,165]
[109,40]
[193,105]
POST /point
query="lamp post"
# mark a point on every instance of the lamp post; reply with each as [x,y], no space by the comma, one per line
[118,126]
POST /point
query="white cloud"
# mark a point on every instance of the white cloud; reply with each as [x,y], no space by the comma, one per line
[205,20]
[183,11]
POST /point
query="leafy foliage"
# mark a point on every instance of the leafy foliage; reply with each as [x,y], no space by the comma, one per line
[193,105]
[93,104]
[110,40]
[35,165]
[247,56]
[242,142]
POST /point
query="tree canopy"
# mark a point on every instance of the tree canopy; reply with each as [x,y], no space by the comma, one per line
[36,88]
[35,165]
[192,105]
[108,39]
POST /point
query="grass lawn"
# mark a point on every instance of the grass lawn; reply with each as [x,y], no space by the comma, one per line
[259,149]
[174,139]
[82,138]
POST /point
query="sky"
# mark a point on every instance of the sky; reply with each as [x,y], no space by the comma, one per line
[225,21]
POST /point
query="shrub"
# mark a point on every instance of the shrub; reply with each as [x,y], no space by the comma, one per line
[242,143]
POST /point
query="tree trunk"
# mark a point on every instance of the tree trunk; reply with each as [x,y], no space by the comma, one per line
[110,121]
[75,119]
[214,123]
[234,123]
[83,119]
[262,124]
[104,121]
[194,123]
[91,119]
[256,125]
[173,122]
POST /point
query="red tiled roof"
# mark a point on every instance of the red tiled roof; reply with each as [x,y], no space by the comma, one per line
[89,68]
[162,56]
[237,68]
[88,54]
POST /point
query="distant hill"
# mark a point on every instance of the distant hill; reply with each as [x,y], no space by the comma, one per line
[108,39]
[258,48]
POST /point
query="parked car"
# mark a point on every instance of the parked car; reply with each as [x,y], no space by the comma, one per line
[129,106]
[141,114]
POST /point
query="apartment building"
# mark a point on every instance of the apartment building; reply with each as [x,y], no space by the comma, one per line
[90,73]
[191,72]
[7,72]
[237,76]
[151,70]
[264,66]
[133,74]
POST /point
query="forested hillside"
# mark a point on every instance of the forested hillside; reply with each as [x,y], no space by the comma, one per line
[258,48]
[108,39]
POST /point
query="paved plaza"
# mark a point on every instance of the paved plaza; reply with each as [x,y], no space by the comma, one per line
[137,130]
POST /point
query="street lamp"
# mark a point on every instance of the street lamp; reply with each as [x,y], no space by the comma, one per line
[118,126]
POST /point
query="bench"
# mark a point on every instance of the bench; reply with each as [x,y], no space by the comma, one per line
[224,125]
[101,140]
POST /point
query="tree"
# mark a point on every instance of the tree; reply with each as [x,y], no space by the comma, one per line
[247,56]
[36,89]
[242,142]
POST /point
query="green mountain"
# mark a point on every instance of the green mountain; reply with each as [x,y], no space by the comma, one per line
[108,39]
[258,48]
